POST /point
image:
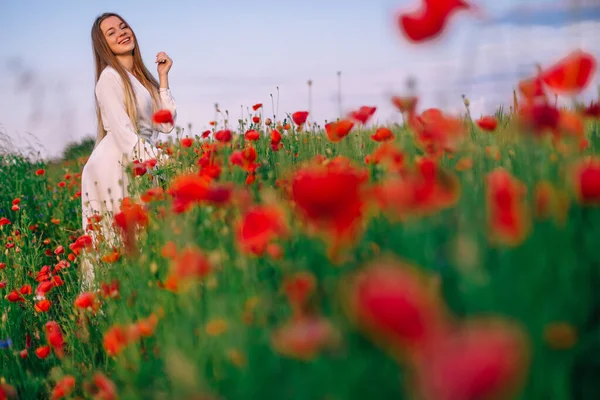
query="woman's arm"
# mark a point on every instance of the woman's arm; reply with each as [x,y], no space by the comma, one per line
[166,98]
[168,103]
[110,96]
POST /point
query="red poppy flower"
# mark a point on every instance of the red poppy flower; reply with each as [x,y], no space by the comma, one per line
[299,117]
[223,136]
[336,131]
[508,219]
[43,352]
[382,134]
[480,360]
[63,388]
[163,117]
[572,74]
[363,114]
[430,20]
[187,142]
[395,305]
[488,123]
[330,196]
[258,227]
[585,179]
[252,135]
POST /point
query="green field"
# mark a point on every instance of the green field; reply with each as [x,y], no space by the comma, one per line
[297,278]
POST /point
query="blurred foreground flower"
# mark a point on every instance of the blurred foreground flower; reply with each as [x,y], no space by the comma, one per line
[425,190]
[101,387]
[429,21]
[572,74]
[585,179]
[7,392]
[437,132]
[482,359]
[508,217]
[258,227]
[400,309]
[396,305]
[63,388]
[331,198]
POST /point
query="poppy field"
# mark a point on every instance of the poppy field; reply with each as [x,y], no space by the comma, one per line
[451,257]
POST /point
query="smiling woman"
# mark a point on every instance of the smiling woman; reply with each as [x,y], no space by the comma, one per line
[127,96]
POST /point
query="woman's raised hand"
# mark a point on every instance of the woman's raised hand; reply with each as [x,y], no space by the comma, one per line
[164,63]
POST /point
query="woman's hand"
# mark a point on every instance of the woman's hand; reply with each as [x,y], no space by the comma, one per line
[164,64]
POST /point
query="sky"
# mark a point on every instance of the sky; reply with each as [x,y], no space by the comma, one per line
[237,53]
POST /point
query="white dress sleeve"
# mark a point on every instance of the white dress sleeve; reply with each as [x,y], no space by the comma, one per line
[168,103]
[110,96]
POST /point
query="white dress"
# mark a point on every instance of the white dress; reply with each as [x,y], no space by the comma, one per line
[103,179]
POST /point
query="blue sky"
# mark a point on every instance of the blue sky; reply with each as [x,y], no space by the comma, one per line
[237,52]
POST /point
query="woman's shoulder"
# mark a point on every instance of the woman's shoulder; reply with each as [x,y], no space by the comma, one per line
[108,81]
[109,75]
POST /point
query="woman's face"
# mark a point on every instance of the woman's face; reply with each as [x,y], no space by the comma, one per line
[118,35]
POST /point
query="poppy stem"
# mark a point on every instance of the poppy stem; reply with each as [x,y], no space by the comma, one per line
[242,117]
[277,109]
[339,76]
[273,108]
[309,96]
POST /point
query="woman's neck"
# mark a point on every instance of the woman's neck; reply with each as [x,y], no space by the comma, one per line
[126,60]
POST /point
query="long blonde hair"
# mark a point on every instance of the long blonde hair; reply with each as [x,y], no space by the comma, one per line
[104,57]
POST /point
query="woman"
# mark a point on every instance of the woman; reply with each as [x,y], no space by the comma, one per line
[127,96]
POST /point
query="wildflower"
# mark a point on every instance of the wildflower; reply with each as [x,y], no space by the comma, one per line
[363,114]
[223,136]
[430,20]
[507,215]
[275,140]
[42,352]
[585,179]
[252,135]
[187,142]
[406,105]
[572,74]
[63,388]
[488,123]
[426,189]
[54,337]
[101,387]
[116,339]
[437,132]
[162,116]
[299,117]
[43,306]
[338,130]
[482,359]
[391,302]
[382,134]
[258,227]
[87,300]
[330,197]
